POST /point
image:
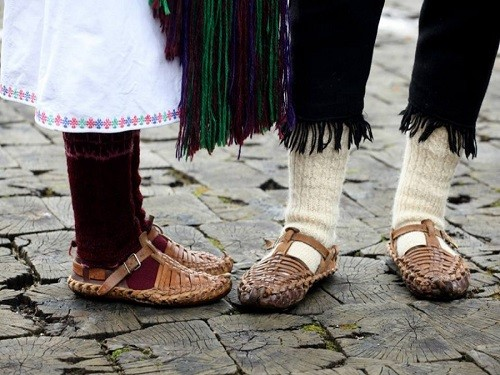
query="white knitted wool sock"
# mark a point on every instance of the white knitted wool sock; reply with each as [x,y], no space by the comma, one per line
[313,201]
[423,188]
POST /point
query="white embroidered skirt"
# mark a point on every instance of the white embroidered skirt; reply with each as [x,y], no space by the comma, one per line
[88,66]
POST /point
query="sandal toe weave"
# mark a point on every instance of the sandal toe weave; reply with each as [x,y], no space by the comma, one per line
[428,270]
[280,280]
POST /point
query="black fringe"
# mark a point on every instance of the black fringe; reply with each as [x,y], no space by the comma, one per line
[324,133]
[459,138]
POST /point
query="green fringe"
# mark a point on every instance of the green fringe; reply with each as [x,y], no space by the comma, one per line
[163,4]
[236,68]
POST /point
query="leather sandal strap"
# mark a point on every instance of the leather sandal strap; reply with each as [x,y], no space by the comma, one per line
[396,233]
[426,226]
[99,274]
[133,263]
[293,234]
[430,231]
[328,256]
[111,279]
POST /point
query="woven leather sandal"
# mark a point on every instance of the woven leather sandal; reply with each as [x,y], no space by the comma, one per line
[280,280]
[195,260]
[175,284]
[428,270]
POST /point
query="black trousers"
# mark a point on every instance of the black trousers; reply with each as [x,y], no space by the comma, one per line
[332,48]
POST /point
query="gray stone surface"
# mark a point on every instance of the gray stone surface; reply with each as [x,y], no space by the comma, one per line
[52,355]
[181,347]
[361,320]
[13,324]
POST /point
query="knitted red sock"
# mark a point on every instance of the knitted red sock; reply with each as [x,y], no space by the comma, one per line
[146,278]
[140,213]
[137,196]
[106,228]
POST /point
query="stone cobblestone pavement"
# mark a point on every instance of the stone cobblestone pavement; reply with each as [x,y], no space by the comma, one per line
[362,320]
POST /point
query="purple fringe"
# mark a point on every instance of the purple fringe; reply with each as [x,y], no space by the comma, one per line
[247,83]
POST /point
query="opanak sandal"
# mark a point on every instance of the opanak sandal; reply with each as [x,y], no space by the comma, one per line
[428,270]
[196,260]
[281,280]
[175,284]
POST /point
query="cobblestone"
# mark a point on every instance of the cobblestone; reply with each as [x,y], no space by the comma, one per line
[362,320]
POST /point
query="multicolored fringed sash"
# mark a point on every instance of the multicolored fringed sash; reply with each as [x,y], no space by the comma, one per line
[235,56]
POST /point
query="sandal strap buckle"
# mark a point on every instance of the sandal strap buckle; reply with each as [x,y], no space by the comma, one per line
[132,264]
[137,265]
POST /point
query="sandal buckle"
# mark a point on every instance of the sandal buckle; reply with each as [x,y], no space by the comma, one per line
[138,263]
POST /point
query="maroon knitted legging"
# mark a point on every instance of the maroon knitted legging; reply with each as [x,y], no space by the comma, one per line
[137,196]
[140,214]
[99,171]
[104,179]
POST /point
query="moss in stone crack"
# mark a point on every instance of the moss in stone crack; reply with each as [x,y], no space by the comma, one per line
[199,191]
[148,353]
[182,178]
[495,204]
[314,328]
[348,326]
[47,192]
[490,271]
[228,200]
[216,243]
[118,352]
[330,344]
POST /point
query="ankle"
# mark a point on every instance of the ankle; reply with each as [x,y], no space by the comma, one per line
[306,254]
[419,234]
[412,239]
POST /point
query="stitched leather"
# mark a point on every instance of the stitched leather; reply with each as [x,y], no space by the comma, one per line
[428,270]
[196,260]
[281,280]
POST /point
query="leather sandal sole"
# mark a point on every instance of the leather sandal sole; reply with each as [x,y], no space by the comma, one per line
[151,296]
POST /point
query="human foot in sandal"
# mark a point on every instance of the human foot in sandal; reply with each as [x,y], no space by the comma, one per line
[196,260]
[171,283]
[431,270]
[280,280]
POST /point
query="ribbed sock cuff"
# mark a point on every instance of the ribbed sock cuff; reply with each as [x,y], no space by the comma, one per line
[96,145]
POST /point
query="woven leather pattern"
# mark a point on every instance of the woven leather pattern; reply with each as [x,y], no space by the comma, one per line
[281,281]
[428,270]
[195,260]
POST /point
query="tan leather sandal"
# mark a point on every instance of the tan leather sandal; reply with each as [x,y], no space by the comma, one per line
[175,284]
[195,260]
[428,270]
[280,280]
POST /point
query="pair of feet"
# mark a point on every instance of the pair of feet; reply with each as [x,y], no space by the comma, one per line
[428,270]
[184,277]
